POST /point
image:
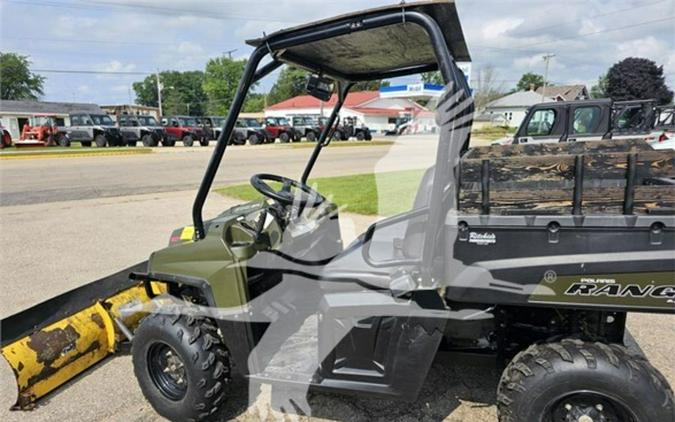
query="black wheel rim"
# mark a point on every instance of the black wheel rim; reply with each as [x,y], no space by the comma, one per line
[590,407]
[167,371]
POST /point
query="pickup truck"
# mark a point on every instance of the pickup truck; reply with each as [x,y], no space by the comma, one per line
[585,120]
[185,129]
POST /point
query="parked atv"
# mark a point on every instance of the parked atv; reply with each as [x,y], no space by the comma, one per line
[279,128]
[212,126]
[143,128]
[349,129]
[304,127]
[89,128]
[249,129]
[185,129]
[528,254]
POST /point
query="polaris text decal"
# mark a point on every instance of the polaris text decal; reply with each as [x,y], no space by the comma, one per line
[482,238]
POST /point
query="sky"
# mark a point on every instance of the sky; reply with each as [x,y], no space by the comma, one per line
[511,36]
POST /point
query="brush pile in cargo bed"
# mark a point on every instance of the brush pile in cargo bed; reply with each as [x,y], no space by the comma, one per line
[581,178]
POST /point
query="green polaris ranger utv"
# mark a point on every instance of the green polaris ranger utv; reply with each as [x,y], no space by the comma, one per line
[531,254]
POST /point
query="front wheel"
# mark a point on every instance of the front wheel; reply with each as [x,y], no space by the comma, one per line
[254,139]
[284,138]
[579,381]
[204,142]
[181,366]
[311,136]
[188,140]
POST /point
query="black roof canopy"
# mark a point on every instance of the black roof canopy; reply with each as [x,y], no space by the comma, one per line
[364,54]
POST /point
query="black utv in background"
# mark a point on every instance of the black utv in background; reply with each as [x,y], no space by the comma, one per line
[145,129]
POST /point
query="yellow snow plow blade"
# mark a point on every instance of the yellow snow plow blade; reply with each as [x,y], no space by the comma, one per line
[52,342]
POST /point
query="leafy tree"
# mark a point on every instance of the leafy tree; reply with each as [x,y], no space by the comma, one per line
[17,82]
[291,82]
[635,79]
[182,92]
[254,103]
[599,90]
[221,78]
[528,80]
[432,78]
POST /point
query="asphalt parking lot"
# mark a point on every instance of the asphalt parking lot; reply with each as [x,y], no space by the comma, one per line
[64,222]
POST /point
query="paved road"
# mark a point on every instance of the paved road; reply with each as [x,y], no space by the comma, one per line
[64,222]
[49,180]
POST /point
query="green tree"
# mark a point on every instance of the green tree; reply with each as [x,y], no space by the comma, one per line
[433,78]
[17,82]
[182,92]
[254,103]
[636,79]
[291,82]
[221,78]
[599,90]
[530,80]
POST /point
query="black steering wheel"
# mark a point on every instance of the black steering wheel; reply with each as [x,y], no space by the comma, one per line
[302,196]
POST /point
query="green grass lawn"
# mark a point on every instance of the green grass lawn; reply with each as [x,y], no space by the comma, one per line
[382,194]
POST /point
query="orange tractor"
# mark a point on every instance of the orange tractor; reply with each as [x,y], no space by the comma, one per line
[42,131]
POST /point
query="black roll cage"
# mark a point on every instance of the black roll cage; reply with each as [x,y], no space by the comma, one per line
[272,46]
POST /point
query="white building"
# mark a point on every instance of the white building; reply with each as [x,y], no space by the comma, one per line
[368,107]
[510,110]
[14,114]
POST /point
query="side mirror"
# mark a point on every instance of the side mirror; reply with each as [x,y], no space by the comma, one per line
[318,87]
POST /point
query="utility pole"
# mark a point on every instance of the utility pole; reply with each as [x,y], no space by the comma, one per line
[229,53]
[159,94]
[547,59]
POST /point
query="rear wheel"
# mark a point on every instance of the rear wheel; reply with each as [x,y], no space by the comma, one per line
[188,140]
[86,144]
[181,365]
[168,142]
[360,136]
[284,137]
[311,136]
[100,140]
[574,381]
[204,142]
[148,140]
[63,141]
[132,143]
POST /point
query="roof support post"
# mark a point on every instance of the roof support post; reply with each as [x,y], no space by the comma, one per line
[343,90]
[248,78]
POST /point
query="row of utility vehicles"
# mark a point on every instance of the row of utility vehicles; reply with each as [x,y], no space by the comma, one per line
[126,129]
